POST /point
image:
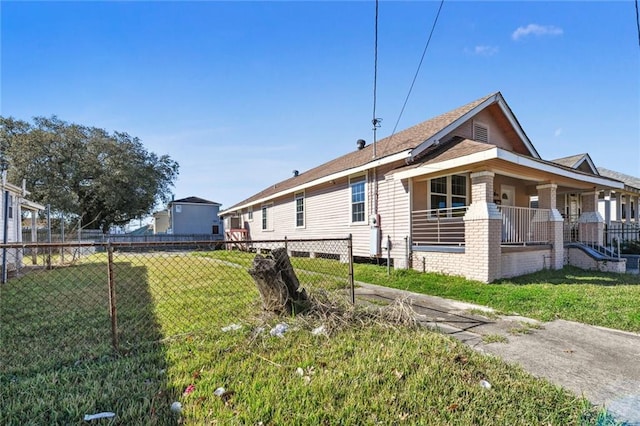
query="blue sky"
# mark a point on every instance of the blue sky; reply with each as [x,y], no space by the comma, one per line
[242,93]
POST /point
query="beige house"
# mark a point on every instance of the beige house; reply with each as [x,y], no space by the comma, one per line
[464,193]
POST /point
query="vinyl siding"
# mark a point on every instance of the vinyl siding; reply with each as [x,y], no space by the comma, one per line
[328,214]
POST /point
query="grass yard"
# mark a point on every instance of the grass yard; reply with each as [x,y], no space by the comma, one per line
[57,364]
[597,298]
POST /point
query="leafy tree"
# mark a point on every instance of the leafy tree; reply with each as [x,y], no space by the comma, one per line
[104,178]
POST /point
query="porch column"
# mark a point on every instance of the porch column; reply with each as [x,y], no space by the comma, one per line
[547,200]
[483,231]
[34,236]
[590,223]
[607,207]
[627,208]
[637,210]
[618,198]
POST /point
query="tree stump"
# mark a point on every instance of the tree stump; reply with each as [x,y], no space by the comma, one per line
[277,283]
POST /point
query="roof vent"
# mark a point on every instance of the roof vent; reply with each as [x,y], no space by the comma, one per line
[361,143]
[296,173]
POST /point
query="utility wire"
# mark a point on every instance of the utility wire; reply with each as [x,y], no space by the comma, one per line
[433,27]
[638,22]
[375,120]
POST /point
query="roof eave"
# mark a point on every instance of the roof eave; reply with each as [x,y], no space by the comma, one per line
[344,173]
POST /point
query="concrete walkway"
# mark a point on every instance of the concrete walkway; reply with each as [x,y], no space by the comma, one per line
[601,364]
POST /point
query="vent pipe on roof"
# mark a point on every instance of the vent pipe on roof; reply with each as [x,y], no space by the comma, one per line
[361,143]
[296,173]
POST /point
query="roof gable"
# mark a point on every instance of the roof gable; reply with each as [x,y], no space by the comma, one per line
[493,106]
[581,162]
[194,200]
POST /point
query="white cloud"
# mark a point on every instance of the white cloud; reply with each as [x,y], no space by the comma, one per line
[482,50]
[536,30]
[558,132]
[485,50]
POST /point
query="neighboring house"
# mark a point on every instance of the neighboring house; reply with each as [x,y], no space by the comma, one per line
[13,202]
[464,193]
[193,215]
[618,207]
[161,222]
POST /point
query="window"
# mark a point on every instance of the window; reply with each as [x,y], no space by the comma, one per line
[10,206]
[480,132]
[215,229]
[266,219]
[357,199]
[299,197]
[250,213]
[458,191]
[439,193]
[178,208]
[448,192]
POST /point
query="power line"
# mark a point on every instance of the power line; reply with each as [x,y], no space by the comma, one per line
[433,27]
[375,120]
[638,22]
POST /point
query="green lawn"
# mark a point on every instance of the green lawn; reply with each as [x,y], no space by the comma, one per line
[597,298]
[366,373]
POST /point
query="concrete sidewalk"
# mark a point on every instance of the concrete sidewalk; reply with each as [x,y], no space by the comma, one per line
[601,364]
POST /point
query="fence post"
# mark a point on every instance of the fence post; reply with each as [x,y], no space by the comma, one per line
[113,314]
[49,236]
[351,280]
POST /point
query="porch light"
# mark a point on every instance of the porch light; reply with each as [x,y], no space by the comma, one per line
[504,196]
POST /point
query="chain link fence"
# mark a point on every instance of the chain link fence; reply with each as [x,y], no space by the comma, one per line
[61,303]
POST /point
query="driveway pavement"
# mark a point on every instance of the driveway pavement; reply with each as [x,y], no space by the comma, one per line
[601,364]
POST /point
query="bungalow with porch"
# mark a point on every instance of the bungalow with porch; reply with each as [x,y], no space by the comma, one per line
[464,193]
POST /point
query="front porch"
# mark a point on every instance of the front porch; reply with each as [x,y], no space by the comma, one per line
[521,226]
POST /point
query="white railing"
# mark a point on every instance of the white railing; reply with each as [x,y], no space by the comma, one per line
[522,225]
[438,226]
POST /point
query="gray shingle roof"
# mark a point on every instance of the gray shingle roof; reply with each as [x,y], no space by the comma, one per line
[628,180]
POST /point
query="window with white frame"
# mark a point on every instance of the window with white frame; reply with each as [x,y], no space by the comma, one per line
[250,213]
[266,219]
[299,198]
[357,186]
[448,192]
[10,206]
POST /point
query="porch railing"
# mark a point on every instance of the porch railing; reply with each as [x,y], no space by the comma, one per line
[438,226]
[523,225]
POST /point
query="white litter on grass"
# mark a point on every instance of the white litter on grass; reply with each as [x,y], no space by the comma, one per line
[485,384]
[176,407]
[232,327]
[103,415]
[318,330]
[219,392]
[300,371]
[279,330]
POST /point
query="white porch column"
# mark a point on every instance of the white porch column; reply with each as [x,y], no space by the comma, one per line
[607,207]
[618,198]
[547,200]
[637,210]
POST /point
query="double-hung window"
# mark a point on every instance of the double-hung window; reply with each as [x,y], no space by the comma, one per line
[299,198]
[250,214]
[448,192]
[357,186]
[266,219]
